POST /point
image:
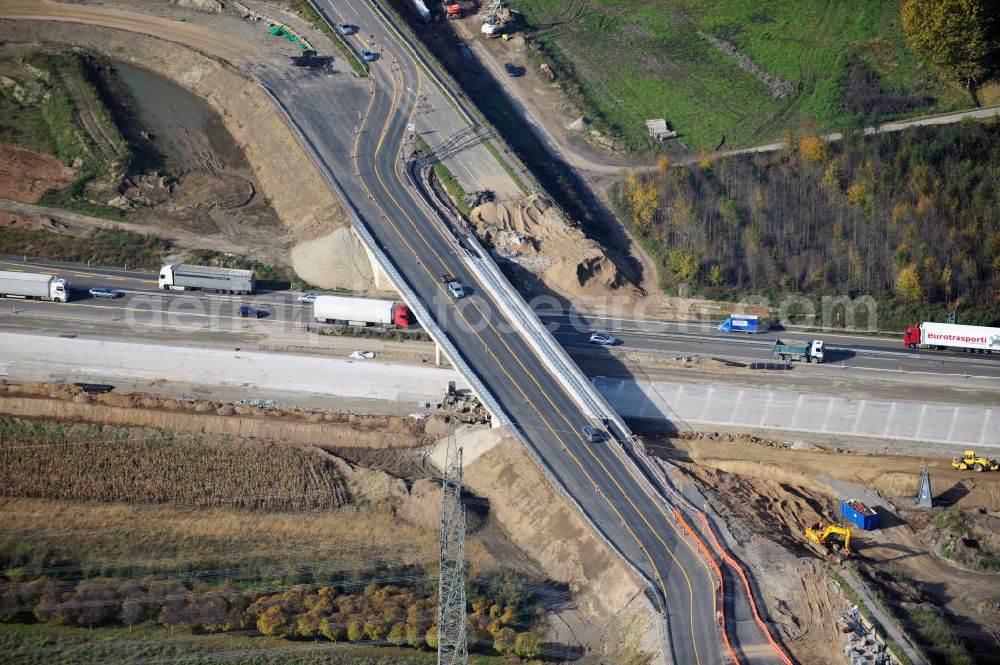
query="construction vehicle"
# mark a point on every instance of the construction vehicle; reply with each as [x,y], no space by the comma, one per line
[812,351]
[971,461]
[451,8]
[820,532]
[493,21]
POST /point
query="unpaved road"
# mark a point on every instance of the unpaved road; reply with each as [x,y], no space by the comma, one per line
[203,39]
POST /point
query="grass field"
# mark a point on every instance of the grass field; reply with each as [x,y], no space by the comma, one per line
[645,59]
[43,643]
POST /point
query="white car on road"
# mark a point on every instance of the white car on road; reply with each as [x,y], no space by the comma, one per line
[603,339]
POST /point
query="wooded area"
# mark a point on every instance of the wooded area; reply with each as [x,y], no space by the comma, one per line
[909,218]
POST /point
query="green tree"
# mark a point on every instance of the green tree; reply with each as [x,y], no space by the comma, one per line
[527,645]
[716,274]
[953,35]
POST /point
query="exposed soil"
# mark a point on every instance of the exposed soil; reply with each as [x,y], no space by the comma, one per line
[295,426]
[769,492]
[534,235]
[200,56]
[26,175]
[597,610]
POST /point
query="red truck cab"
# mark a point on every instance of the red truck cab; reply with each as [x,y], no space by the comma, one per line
[402,317]
[911,339]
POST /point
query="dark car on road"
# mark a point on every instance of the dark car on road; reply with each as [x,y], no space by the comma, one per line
[513,70]
[346,28]
[101,292]
[369,56]
[250,312]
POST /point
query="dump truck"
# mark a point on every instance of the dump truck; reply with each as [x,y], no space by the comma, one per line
[362,311]
[942,336]
[974,462]
[744,323]
[811,351]
[859,513]
[26,285]
[186,277]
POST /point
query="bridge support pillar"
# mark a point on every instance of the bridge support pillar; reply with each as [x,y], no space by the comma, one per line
[379,275]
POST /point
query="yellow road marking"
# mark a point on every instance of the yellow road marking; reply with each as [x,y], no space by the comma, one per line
[565,419]
[393,105]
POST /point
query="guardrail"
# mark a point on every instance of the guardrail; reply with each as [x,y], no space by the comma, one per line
[405,291]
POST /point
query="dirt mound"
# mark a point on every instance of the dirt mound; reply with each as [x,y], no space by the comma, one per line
[534,234]
[26,175]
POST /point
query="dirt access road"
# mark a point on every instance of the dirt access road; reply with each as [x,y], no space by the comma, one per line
[215,44]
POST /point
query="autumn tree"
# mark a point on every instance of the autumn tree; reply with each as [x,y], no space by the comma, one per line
[527,645]
[272,620]
[505,641]
[953,35]
[431,637]
[415,635]
[908,284]
[331,629]
[397,634]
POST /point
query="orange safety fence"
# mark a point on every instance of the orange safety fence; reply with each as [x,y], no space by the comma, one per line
[718,571]
[746,583]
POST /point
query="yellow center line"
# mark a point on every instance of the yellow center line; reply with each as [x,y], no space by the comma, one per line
[569,425]
[514,382]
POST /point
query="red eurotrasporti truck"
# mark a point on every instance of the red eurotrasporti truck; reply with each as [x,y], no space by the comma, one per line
[942,336]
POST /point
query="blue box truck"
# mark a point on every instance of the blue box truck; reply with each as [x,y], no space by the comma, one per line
[744,323]
[859,513]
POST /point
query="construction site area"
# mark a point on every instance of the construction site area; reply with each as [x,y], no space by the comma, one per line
[159,504]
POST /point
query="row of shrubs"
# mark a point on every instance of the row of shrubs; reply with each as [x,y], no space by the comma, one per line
[378,615]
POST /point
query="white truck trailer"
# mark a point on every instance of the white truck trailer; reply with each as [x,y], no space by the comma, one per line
[362,311]
[187,277]
[33,285]
[941,336]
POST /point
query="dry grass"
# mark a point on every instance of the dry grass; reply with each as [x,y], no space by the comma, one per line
[61,460]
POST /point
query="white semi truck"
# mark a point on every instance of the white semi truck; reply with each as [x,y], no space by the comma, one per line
[362,311]
[187,277]
[33,285]
[941,336]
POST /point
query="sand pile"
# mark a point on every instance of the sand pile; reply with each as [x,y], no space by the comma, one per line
[534,234]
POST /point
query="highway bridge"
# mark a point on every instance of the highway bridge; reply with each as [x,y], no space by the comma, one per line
[358,131]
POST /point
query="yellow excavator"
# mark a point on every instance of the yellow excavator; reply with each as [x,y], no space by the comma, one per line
[821,531]
[971,461]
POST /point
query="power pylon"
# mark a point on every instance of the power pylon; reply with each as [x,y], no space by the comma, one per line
[453,648]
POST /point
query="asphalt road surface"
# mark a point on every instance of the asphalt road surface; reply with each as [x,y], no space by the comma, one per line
[594,473]
[145,306]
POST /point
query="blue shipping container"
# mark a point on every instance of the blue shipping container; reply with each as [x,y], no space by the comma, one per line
[860,514]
